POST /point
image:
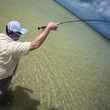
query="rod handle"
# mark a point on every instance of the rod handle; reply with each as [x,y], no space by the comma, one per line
[41,27]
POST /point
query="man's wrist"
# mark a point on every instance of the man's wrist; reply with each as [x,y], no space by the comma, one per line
[48,29]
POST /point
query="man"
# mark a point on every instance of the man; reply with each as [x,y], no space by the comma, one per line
[11,50]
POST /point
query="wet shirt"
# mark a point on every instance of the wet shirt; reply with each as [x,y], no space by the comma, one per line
[10,53]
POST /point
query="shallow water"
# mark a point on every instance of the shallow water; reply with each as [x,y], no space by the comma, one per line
[70,71]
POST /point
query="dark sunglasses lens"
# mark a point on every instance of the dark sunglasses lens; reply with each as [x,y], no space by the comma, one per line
[18,33]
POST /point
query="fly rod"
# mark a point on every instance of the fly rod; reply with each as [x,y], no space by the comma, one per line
[78,20]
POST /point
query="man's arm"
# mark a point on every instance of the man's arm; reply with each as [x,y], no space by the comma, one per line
[36,43]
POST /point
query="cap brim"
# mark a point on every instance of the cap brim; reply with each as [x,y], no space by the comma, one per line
[23,31]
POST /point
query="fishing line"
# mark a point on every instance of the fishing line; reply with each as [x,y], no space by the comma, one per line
[78,20]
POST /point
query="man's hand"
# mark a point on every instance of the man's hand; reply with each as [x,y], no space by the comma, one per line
[52,26]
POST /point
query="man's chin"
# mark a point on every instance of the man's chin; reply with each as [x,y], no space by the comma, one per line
[15,39]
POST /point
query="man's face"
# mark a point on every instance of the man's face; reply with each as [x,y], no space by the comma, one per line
[15,36]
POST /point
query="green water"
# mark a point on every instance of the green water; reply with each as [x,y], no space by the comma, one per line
[70,71]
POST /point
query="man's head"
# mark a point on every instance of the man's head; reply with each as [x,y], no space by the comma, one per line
[15,30]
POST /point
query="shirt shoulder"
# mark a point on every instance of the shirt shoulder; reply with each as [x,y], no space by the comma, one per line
[5,37]
[2,35]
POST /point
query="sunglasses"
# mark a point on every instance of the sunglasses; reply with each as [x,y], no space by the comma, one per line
[17,34]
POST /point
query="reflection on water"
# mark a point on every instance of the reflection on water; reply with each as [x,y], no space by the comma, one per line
[101,6]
